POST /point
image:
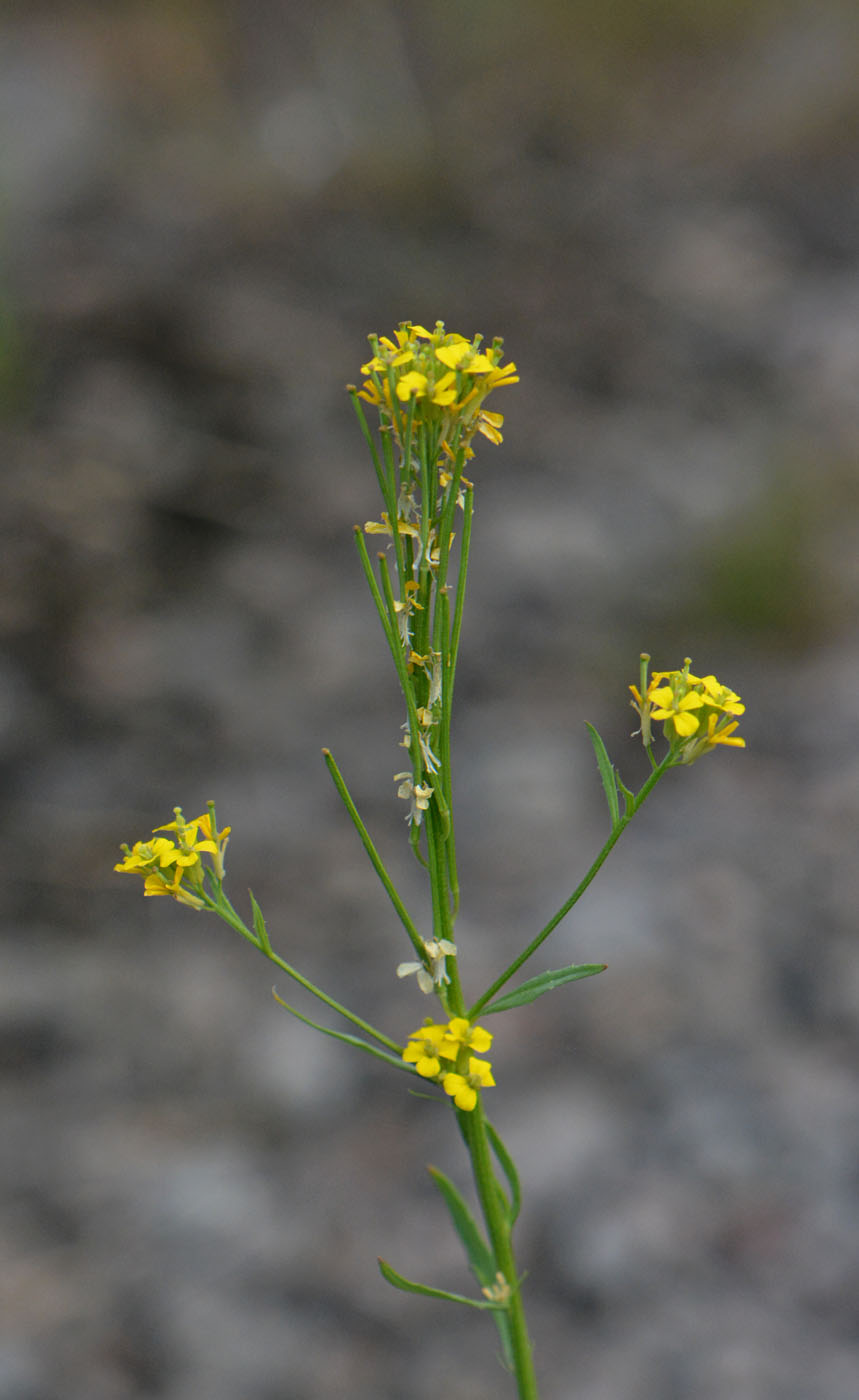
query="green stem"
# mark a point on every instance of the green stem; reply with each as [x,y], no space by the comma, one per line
[441,905]
[401,475]
[465,549]
[444,754]
[384,485]
[401,663]
[495,1214]
[565,908]
[445,531]
[389,626]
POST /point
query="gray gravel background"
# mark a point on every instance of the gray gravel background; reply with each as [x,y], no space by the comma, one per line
[206,208]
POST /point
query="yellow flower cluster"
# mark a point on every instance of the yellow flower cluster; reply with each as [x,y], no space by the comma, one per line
[445,1053]
[696,712]
[164,864]
[438,379]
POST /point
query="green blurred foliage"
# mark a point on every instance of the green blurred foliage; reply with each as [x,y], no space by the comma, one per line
[772,574]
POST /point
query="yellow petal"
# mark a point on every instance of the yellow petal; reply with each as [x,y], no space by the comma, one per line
[453,355]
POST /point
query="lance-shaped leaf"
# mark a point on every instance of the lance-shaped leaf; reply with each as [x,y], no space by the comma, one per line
[509,1168]
[607,774]
[355,1040]
[480,1256]
[628,797]
[543,982]
[408,1286]
[259,925]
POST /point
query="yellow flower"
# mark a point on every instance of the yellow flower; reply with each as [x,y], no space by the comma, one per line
[383,527]
[469,1037]
[444,393]
[187,833]
[220,838]
[411,385]
[454,353]
[424,1050]
[669,704]
[721,697]
[157,884]
[153,861]
[463,1088]
[489,424]
[146,856]
[718,731]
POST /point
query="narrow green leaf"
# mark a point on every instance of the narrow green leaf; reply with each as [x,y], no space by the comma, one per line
[342,1035]
[502,1322]
[607,774]
[509,1169]
[259,925]
[628,797]
[375,859]
[408,1286]
[479,1254]
[368,438]
[544,982]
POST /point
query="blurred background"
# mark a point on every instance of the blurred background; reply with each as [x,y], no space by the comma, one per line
[205,207]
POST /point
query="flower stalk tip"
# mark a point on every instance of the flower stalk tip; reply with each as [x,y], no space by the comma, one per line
[438,380]
[697,713]
[175,867]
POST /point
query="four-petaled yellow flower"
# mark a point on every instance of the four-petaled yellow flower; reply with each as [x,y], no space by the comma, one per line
[667,703]
[144,856]
[475,1038]
[426,1049]
[463,1088]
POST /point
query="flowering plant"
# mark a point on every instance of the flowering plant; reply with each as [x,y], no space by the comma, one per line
[429,388]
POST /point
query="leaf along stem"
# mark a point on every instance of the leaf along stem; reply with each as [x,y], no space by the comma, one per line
[375,859]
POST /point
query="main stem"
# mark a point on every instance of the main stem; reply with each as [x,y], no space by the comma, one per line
[473,1126]
[441,860]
